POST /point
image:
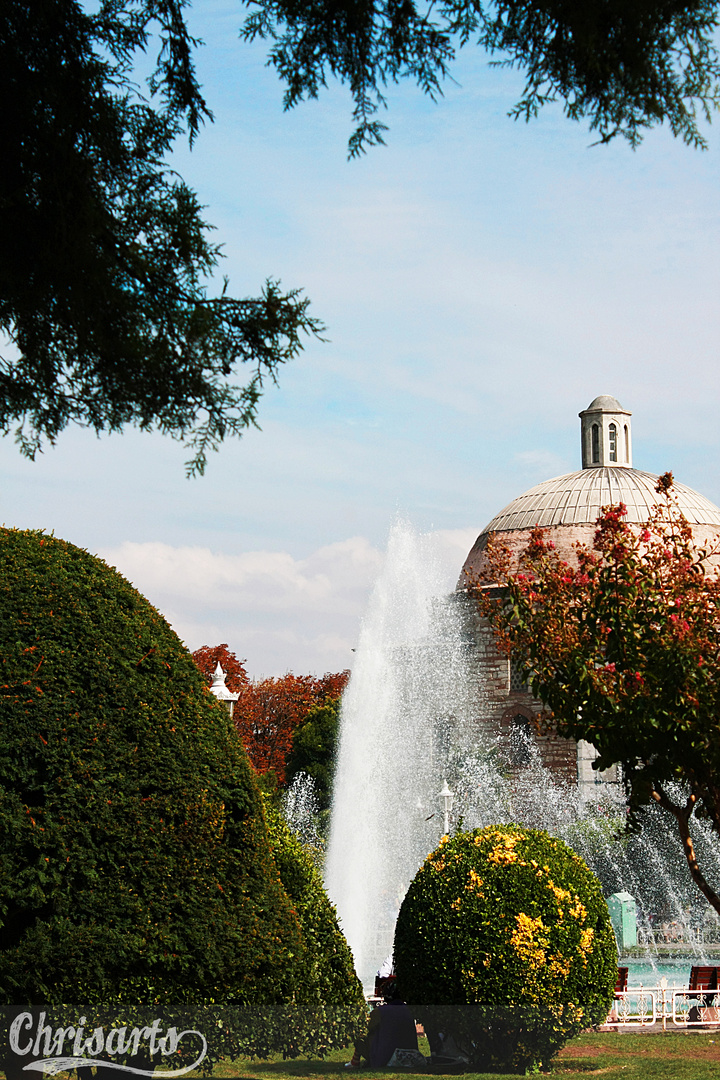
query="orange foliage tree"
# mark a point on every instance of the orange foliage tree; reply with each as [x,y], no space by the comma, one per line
[207,659]
[269,711]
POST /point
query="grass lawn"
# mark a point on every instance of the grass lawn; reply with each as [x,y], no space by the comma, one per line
[674,1056]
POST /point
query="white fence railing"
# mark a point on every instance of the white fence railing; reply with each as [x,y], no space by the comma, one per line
[634,1008]
[695,1008]
[645,1006]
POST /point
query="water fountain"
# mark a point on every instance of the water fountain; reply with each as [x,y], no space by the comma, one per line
[409,696]
[409,725]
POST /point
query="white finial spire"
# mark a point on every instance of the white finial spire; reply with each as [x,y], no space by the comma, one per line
[220,690]
[606,434]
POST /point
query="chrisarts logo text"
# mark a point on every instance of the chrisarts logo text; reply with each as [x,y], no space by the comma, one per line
[71,1048]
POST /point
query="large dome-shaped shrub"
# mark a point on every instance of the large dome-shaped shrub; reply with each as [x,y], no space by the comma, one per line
[135,868]
[504,941]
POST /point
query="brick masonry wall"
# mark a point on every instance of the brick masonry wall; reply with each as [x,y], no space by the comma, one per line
[498,705]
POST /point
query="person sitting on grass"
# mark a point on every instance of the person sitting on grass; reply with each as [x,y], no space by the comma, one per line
[391,1027]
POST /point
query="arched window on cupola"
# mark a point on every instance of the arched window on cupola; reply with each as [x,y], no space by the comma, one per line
[595,443]
[612,440]
[627,443]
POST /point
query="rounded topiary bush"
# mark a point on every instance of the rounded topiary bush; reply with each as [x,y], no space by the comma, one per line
[135,868]
[504,941]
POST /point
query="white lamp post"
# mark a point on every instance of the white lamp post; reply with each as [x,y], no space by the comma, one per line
[447,797]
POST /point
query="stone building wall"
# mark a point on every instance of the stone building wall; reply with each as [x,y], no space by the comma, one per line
[507,708]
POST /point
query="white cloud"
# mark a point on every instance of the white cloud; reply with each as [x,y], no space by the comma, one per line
[277,611]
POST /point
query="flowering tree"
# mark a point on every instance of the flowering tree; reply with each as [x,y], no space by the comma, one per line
[504,942]
[623,647]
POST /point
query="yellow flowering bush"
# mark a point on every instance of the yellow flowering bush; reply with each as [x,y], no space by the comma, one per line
[504,941]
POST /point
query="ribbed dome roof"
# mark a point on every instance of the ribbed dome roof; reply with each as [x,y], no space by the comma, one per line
[570,505]
[578,497]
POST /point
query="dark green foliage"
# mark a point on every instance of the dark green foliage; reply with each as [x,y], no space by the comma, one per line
[330,1010]
[104,252]
[135,871]
[625,65]
[313,750]
[504,940]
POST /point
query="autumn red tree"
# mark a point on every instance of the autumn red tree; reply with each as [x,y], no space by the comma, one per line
[269,711]
[209,656]
[623,647]
[331,686]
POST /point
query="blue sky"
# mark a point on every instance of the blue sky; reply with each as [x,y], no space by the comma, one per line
[482,280]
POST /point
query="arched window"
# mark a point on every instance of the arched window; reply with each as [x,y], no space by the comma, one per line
[520,741]
[517,681]
[595,435]
[612,439]
[627,443]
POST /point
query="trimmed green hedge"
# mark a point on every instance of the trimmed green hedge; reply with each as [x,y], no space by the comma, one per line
[135,870]
[504,941]
[330,1009]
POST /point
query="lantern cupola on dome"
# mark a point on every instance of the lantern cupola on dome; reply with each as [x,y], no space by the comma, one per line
[605,434]
[568,506]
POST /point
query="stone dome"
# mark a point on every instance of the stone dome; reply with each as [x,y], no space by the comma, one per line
[570,505]
[578,497]
[605,403]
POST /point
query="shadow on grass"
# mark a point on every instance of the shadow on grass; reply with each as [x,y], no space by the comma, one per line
[258,1069]
[317,1070]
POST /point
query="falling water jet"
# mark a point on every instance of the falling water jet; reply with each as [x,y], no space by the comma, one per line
[409,699]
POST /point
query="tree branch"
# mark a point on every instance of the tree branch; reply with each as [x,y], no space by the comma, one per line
[682,815]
